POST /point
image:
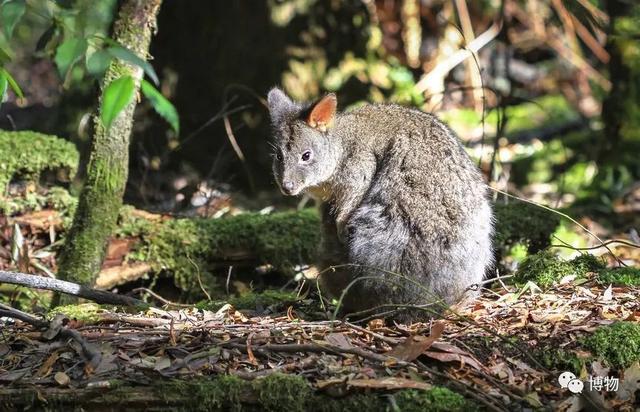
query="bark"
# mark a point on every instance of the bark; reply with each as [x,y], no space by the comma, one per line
[101,196]
[621,107]
[41,282]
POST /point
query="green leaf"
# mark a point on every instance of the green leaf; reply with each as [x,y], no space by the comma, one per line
[5,55]
[117,95]
[161,105]
[3,87]
[12,83]
[98,62]
[68,53]
[129,56]
[10,14]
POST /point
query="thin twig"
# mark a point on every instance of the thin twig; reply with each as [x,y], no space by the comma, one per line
[604,244]
[316,347]
[387,339]
[198,277]
[161,299]
[497,278]
[238,151]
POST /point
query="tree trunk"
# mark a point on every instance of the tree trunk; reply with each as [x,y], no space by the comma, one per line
[101,196]
[621,108]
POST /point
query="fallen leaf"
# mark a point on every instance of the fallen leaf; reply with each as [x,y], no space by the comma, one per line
[533,399]
[567,279]
[414,346]
[339,340]
[117,249]
[455,357]
[502,371]
[47,365]
[62,378]
[250,355]
[162,363]
[375,324]
[629,383]
[447,347]
[388,383]
[4,349]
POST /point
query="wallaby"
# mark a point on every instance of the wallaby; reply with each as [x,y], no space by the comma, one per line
[405,214]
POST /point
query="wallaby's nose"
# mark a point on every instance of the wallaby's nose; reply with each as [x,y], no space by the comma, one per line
[287,187]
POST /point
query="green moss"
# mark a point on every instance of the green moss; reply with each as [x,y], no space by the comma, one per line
[545,268]
[130,225]
[617,344]
[560,360]
[220,394]
[519,223]
[587,263]
[185,246]
[56,198]
[356,402]
[96,215]
[223,393]
[433,400]
[280,392]
[84,312]
[27,154]
[624,276]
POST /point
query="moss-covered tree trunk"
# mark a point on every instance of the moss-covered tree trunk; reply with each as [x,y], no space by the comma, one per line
[101,196]
[618,147]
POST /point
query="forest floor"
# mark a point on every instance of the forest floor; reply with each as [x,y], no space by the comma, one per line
[504,351]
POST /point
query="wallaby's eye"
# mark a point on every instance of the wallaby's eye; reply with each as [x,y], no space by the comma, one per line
[306,156]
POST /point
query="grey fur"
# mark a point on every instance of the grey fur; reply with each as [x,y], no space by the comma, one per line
[400,196]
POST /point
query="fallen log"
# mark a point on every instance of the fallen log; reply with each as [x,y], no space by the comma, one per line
[69,288]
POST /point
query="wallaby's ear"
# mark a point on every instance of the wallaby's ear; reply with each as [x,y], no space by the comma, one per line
[279,104]
[323,112]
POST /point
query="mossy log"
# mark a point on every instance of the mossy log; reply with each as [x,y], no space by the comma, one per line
[101,197]
[26,155]
[186,247]
[275,392]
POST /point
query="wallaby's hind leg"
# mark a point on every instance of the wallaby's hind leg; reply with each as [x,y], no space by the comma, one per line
[334,276]
[376,245]
[338,270]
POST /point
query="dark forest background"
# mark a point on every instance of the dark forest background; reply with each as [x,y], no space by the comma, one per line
[544,78]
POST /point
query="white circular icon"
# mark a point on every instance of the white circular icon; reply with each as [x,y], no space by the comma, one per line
[575,386]
[565,378]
